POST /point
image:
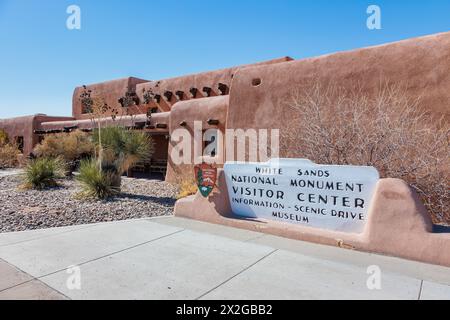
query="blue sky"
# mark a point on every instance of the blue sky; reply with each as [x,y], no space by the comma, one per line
[41,61]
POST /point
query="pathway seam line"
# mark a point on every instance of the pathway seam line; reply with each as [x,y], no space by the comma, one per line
[29,281]
[420,290]
[237,274]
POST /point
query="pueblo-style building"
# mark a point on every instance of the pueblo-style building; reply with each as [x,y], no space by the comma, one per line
[249,96]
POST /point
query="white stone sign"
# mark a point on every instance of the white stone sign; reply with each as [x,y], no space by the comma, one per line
[302,192]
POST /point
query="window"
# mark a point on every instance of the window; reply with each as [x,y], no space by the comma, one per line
[210,142]
[86,109]
[19,143]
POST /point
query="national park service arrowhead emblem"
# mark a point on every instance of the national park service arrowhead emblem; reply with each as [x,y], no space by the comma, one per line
[205,175]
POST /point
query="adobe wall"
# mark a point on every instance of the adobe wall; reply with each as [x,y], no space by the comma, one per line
[24,127]
[110,91]
[421,65]
[20,127]
[184,84]
[186,112]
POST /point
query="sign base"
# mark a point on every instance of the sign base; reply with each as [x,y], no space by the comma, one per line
[399,224]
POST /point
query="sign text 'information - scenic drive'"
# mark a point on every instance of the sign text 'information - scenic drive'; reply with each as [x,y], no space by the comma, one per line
[302,192]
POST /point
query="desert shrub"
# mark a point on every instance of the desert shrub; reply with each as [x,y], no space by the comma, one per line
[387,130]
[8,156]
[4,139]
[95,182]
[8,152]
[71,147]
[186,187]
[43,173]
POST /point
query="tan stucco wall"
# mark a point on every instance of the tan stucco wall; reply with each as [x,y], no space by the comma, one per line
[209,79]
[420,65]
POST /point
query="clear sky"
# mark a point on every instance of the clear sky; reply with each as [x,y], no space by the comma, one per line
[41,61]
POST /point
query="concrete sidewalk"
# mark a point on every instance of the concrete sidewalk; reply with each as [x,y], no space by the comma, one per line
[174,258]
[10,172]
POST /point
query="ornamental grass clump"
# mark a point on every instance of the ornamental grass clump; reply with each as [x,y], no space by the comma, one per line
[96,183]
[43,173]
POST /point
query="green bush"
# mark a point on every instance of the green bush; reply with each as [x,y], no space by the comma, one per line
[95,182]
[43,173]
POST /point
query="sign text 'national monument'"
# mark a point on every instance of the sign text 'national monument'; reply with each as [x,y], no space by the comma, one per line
[302,192]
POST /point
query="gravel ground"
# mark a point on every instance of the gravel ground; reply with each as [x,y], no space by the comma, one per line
[27,210]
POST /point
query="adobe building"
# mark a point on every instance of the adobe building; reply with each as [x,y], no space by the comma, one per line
[248,96]
[252,97]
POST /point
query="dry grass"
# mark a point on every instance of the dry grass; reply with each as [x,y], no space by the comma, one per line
[186,187]
[4,139]
[332,126]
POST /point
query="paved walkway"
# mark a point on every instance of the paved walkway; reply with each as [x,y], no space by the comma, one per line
[10,172]
[173,258]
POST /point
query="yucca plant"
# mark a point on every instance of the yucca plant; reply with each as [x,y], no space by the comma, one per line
[43,173]
[120,149]
[95,182]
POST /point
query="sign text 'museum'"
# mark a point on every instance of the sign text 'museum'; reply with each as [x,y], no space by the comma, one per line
[300,191]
